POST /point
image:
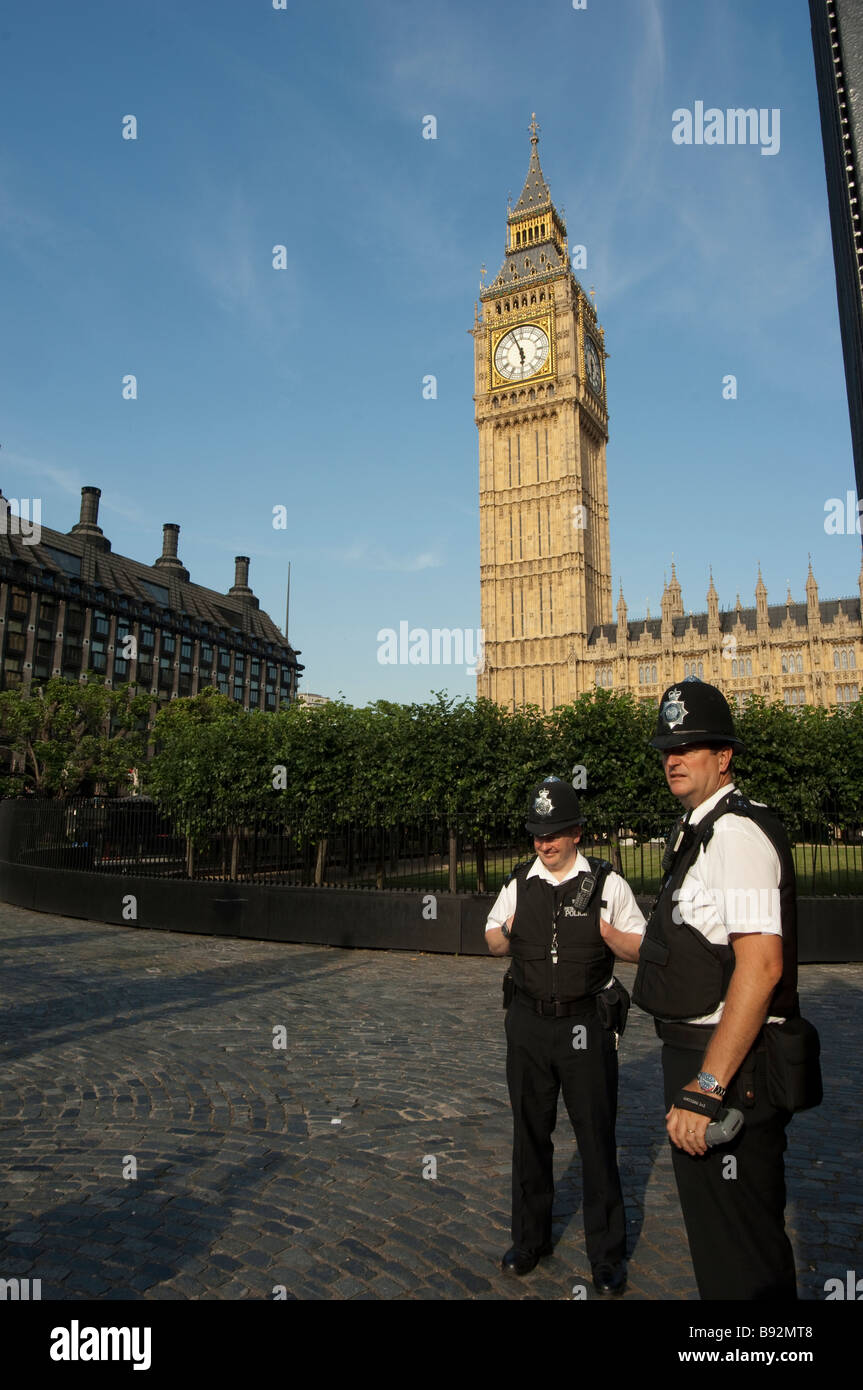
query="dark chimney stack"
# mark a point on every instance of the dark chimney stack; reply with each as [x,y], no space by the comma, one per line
[88,525]
[240,587]
[168,558]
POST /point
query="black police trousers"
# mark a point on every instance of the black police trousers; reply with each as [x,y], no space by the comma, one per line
[541,1062]
[735,1210]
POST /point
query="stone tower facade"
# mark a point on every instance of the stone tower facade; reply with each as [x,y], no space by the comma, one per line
[539,363]
[545,565]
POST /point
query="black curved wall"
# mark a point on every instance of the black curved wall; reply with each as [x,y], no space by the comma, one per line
[830,929]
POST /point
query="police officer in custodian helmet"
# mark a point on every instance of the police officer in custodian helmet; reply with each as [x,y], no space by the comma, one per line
[717,962]
[562,919]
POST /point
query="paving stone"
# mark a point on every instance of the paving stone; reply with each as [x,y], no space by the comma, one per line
[154,1046]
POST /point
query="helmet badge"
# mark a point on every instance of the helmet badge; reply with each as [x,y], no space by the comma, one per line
[542,805]
[674,710]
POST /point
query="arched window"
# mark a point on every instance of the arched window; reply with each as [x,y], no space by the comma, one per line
[701,670]
[785,665]
[654,673]
[749,666]
[799,661]
[734,668]
[836,660]
[852,662]
[844,660]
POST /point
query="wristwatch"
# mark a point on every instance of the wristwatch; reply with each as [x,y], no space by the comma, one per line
[710,1085]
[505,930]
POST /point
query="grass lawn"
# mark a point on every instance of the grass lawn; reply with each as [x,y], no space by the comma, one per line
[822,871]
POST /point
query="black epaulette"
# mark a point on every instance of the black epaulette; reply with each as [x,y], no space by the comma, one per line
[736,804]
[525,864]
[600,868]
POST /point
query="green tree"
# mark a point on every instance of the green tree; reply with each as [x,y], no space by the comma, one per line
[608,734]
[213,767]
[784,761]
[70,733]
[842,760]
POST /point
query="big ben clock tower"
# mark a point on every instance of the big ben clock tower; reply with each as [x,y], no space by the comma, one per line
[539,372]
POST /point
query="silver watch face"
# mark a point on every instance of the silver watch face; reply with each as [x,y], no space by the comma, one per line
[708,1082]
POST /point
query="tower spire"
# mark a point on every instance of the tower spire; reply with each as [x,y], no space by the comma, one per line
[536,193]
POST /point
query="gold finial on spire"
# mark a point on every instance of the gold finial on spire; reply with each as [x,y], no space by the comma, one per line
[534,130]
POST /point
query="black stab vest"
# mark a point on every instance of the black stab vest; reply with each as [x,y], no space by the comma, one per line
[683,975]
[584,961]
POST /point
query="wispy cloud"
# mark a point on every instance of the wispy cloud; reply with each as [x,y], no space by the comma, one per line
[232,258]
[63,478]
[638,168]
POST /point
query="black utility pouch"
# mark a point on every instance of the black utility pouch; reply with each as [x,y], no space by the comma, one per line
[793,1066]
[508,986]
[612,1007]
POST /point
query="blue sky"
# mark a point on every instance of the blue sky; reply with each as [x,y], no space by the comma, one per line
[303,387]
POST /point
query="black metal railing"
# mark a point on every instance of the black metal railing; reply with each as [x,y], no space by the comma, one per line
[309,846]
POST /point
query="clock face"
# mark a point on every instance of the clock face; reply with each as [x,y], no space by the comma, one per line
[521,352]
[592,365]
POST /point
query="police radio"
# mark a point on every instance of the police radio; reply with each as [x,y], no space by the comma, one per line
[724,1128]
[581,901]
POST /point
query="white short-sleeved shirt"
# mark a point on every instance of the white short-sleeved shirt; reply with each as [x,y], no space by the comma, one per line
[733,885]
[618,907]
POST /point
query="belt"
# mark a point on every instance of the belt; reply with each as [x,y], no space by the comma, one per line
[558,1008]
[694,1035]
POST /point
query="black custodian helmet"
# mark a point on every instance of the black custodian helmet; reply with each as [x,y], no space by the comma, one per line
[553,807]
[694,712]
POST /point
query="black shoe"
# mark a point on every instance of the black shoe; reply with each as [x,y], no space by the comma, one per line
[521,1262]
[610,1278]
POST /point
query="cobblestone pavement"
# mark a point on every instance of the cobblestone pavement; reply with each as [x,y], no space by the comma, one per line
[303,1166]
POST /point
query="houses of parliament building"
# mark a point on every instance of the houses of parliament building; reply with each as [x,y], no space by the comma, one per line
[545,564]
